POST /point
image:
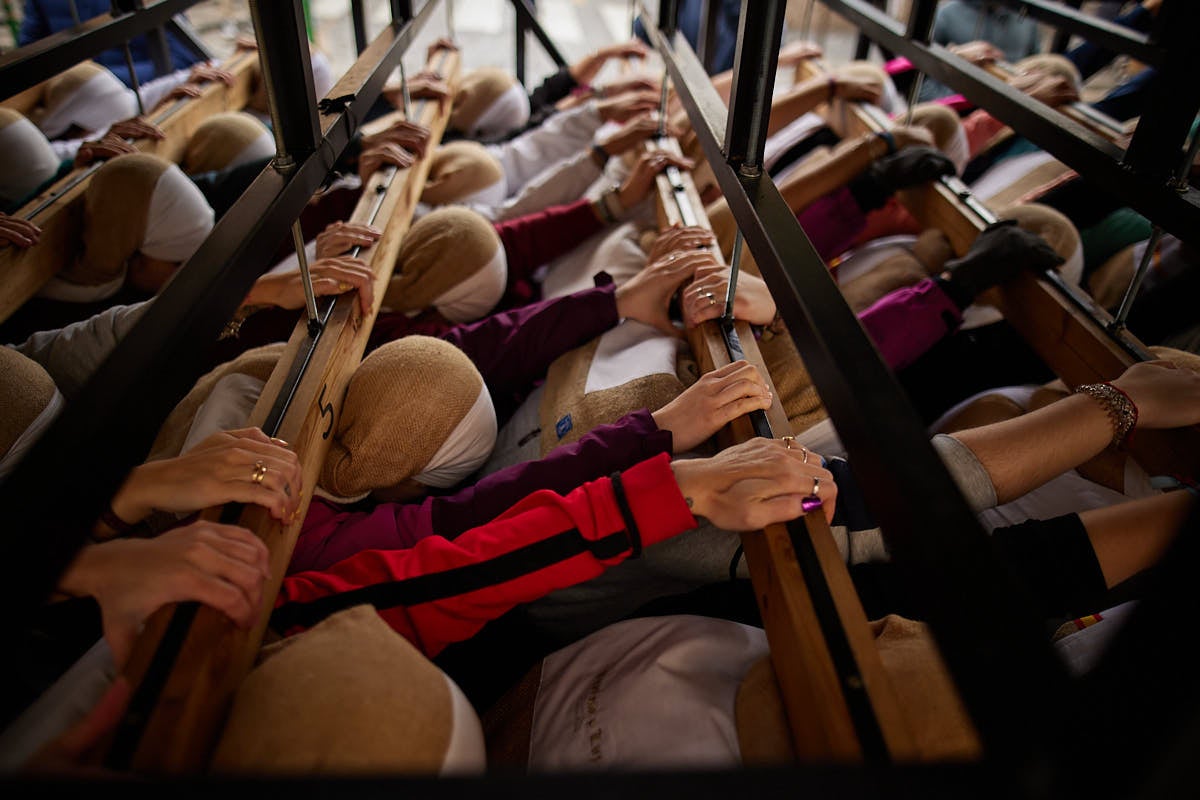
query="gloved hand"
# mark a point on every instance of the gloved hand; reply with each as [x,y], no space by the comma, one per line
[1000,251]
[909,166]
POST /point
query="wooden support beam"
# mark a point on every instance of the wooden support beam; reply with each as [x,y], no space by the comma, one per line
[185,725]
[818,715]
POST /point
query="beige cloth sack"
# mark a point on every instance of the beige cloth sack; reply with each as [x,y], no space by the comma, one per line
[27,390]
[258,363]
[440,251]
[347,697]
[478,89]
[565,396]
[220,140]
[116,205]
[401,405]
[458,170]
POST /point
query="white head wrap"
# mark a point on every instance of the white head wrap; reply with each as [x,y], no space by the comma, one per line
[477,294]
[488,197]
[260,148]
[99,101]
[323,79]
[179,218]
[509,112]
[228,407]
[466,448]
[26,160]
[29,437]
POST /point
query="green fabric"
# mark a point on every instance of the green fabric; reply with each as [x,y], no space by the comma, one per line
[1111,235]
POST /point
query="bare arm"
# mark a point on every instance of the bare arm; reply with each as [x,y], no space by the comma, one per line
[1023,453]
[1130,537]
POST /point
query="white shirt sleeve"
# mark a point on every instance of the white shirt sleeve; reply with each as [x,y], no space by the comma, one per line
[561,136]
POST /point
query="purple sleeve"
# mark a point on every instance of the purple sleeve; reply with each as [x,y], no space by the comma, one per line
[330,534]
[512,349]
[909,321]
[832,222]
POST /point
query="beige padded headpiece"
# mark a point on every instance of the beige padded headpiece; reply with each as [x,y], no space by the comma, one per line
[402,405]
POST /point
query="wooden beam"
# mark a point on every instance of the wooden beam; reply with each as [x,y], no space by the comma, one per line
[186,722]
[817,712]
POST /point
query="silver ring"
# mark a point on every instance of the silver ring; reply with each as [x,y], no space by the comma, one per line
[816,492]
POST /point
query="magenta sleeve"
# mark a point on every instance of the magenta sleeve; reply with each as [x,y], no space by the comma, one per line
[909,321]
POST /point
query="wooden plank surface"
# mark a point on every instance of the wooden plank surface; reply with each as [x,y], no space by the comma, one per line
[815,706]
[185,725]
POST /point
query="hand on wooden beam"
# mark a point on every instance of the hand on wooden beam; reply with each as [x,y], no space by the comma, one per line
[137,128]
[18,232]
[754,484]
[412,136]
[716,399]
[646,296]
[238,466]
[330,276]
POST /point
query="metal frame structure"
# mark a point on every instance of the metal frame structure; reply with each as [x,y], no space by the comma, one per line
[1127,729]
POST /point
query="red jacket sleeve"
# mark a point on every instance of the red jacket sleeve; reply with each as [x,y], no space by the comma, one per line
[444,591]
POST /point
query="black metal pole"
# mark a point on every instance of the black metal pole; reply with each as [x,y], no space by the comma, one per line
[759,32]
[519,52]
[706,38]
[287,71]
[668,17]
[401,10]
[1173,94]
[358,19]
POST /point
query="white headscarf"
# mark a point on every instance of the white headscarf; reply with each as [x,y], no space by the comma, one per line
[466,448]
[260,148]
[509,112]
[30,435]
[477,294]
[97,103]
[179,219]
[26,160]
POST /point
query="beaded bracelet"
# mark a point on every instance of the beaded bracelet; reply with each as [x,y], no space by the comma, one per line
[1120,409]
[114,523]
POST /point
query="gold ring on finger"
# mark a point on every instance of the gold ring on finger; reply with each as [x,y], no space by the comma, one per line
[788,441]
[816,492]
[260,472]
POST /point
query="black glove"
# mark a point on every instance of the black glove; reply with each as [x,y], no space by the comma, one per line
[1000,251]
[911,166]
